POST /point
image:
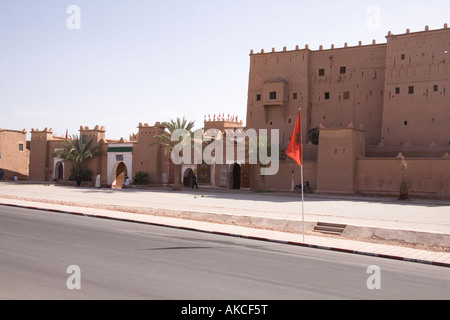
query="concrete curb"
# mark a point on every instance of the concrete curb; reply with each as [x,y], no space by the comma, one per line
[407,236]
[337,249]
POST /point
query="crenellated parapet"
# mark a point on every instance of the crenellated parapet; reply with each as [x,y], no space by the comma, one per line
[147,130]
[97,134]
[46,134]
[222,123]
[133,137]
[221,117]
[96,128]
[333,47]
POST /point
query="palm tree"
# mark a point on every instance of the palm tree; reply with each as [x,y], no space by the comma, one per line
[165,140]
[77,151]
[404,194]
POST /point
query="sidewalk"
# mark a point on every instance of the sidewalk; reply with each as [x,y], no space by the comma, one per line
[274,216]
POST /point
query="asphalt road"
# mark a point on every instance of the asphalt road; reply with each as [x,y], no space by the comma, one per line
[120,260]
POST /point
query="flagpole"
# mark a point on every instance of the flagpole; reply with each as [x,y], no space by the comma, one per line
[303,189]
[295,152]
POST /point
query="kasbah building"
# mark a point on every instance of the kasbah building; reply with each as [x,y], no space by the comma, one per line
[373,104]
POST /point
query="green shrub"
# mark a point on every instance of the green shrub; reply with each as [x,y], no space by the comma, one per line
[86,174]
[141,178]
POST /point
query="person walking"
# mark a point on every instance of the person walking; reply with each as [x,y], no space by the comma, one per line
[78,179]
[194,181]
[126,183]
[97,181]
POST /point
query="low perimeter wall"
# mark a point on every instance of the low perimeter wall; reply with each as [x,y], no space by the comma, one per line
[375,176]
[424,176]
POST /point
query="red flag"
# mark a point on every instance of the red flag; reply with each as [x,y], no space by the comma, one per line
[295,148]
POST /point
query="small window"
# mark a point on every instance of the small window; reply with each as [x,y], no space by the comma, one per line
[273,95]
[20,146]
[435,88]
[258,97]
[405,123]
[403,56]
[327,96]
[343,70]
[346,95]
[397,90]
[321,72]
[294,96]
[411,89]
[289,120]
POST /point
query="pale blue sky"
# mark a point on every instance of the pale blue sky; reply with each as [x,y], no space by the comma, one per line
[146,61]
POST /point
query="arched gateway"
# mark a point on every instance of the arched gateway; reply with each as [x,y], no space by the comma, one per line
[119,164]
[119,173]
